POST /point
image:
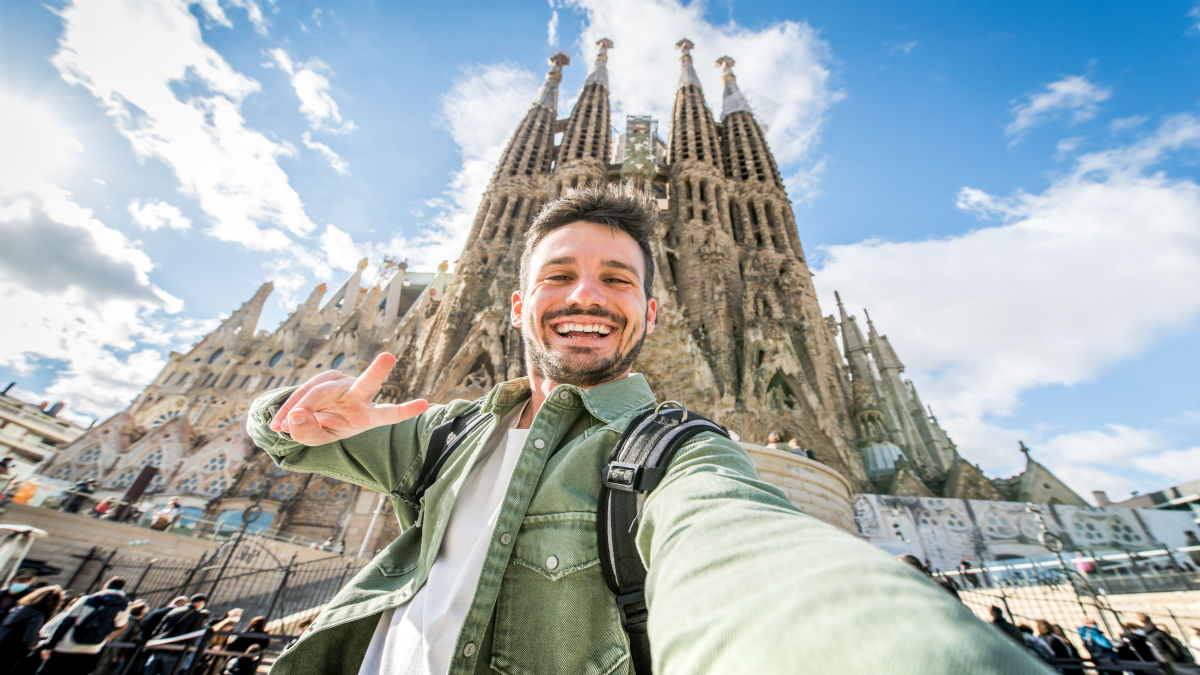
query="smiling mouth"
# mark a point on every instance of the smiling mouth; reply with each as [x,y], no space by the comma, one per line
[576,329]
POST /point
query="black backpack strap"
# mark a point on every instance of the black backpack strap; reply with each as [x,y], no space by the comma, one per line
[444,440]
[636,466]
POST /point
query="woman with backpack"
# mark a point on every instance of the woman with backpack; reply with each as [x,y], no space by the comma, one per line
[19,632]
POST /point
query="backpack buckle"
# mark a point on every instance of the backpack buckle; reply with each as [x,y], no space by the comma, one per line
[632,477]
[633,611]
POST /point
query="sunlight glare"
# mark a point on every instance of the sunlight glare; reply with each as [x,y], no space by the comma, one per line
[34,145]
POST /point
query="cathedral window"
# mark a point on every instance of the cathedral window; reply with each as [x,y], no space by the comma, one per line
[254,488]
[229,382]
[245,381]
[167,379]
[164,418]
[189,484]
[216,355]
[275,358]
[204,382]
[216,486]
[125,478]
[283,491]
[182,378]
[341,493]
[89,456]
[62,473]
[269,381]
[321,492]
[214,464]
[155,458]
[337,361]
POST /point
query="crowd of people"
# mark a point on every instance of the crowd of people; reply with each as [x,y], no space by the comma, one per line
[44,632]
[1144,641]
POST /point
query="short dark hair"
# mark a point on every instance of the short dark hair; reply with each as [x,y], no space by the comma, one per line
[115,584]
[199,597]
[619,206]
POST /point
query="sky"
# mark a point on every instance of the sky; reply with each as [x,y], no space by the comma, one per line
[1011,189]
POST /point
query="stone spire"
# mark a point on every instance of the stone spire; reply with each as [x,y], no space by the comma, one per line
[599,74]
[734,100]
[244,320]
[687,73]
[693,131]
[881,349]
[583,152]
[547,96]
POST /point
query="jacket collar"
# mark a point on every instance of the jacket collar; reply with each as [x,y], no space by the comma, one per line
[608,402]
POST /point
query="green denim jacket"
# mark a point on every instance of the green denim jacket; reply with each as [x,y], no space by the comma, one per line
[739,580]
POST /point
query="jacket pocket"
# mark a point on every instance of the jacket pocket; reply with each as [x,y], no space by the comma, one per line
[554,614]
[401,556]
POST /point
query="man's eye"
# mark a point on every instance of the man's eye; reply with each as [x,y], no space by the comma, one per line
[558,277]
[618,280]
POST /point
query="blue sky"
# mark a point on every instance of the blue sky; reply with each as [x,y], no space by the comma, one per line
[1009,188]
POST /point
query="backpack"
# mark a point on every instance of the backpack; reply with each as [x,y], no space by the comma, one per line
[636,466]
[172,626]
[99,623]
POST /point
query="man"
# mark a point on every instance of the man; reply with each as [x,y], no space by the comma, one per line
[177,622]
[1097,644]
[1005,626]
[775,441]
[77,635]
[498,570]
[78,494]
[153,619]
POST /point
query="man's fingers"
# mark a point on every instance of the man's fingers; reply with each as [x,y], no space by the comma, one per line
[298,395]
[394,414]
[372,379]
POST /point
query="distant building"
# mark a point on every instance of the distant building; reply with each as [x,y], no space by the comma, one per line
[1182,497]
[740,336]
[32,434]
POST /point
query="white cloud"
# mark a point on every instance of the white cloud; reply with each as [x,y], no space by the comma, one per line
[1072,280]
[1124,124]
[782,68]
[335,160]
[134,58]
[158,214]
[552,29]
[1195,14]
[1073,94]
[78,292]
[1177,464]
[904,48]
[253,12]
[312,88]
[37,146]
[1067,147]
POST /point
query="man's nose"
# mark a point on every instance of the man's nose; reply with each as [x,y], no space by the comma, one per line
[586,292]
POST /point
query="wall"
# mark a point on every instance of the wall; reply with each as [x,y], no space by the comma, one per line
[814,487]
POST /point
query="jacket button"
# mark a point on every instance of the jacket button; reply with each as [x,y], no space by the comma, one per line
[506,539]
[539,443]
[552,562]
[469,650]
[564,395]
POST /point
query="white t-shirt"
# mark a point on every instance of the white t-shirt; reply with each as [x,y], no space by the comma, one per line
[419,638]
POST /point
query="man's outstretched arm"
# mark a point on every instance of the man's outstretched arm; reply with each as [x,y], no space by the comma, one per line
[741,581]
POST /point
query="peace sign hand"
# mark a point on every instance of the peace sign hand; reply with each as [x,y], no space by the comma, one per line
[333,406]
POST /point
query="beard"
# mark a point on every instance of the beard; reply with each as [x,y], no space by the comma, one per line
[578,368]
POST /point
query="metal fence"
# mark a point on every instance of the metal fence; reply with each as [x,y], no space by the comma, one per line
[241,574]
[1107,589]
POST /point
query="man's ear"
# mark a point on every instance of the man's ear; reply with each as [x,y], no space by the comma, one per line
[651,314]
[516,309]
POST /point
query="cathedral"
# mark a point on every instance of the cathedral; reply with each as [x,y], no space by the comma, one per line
[740,336]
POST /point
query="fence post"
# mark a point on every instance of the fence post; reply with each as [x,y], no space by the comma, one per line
[103,569]
[79,570]
[198,655]
[142,576]
[278,596]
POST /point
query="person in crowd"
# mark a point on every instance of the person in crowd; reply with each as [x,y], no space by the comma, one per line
[19,630]
[178,622]
[1033,643]
[1098,646]
[1134,639]
[1005,626]
[150,622]
[245,663]
[114,656]
[104,508]
[775,441]
[1055,647]
[21,585]
[912,560]
[77,495]
[1168,651]
[964,569]
[222,629]
[76,637]
[328,544]
[165,517]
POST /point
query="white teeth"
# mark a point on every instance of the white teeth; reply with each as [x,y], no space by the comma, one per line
[565,328]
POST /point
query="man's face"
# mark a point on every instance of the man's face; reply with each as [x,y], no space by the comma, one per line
[584,312]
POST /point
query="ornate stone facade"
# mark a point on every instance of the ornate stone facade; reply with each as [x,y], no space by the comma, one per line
[740,335]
